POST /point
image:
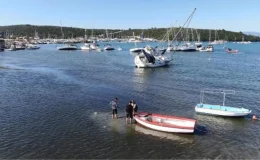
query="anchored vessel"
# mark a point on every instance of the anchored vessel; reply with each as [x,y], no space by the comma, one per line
[166,123]
[220,110]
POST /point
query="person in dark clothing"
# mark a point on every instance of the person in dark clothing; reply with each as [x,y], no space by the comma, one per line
[129,112]
[135,107]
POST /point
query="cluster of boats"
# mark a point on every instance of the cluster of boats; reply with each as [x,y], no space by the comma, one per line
[15,47]
[88,47]
[174,124]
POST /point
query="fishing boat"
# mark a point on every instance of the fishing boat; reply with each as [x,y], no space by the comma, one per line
[165,123]
[146,60]
[220,110]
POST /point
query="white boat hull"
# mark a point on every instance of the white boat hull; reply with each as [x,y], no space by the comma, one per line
[190,125]
[85,48]
[142,63]
[220,112]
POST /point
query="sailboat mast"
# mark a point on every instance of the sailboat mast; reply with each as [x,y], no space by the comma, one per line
[209,36]
[62,34]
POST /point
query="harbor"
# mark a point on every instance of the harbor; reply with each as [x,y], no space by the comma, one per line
[131,80]
[52,108]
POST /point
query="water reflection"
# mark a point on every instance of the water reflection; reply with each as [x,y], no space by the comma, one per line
[222,123]
[182,138]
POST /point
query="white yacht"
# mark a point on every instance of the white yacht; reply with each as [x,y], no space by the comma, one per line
[146,60]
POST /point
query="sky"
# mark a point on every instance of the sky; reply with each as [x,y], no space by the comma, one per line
[233,15]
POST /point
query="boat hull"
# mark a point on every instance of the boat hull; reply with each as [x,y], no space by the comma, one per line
[67,48]
[221,110]
[144,64]
[166,123]
[136,50]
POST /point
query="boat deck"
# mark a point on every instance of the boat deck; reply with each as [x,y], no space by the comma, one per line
[223,108]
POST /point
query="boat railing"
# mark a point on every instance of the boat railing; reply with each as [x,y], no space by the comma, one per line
[215,91]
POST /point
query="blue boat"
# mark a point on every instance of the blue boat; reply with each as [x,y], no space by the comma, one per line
[220,110]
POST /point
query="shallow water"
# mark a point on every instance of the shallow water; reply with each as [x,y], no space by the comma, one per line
[48,100]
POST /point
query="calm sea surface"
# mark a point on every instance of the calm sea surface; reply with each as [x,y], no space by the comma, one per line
[48,100]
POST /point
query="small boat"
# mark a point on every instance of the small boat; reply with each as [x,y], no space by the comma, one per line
[94,46]
[85,47]
[108,47]
[220,110]
[146,60]
[119,48]
[229,50]
[20,47]
[32,47]
[68,47]
[165,123]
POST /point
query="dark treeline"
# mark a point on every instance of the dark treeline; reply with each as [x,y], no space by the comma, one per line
[158,33]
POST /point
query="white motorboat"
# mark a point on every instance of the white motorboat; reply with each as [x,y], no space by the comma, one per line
[68,47]
[85,47]
[187,47]
[220,110]
[165,123]
[94,46]
[209,48]
[32,46]
[146,60]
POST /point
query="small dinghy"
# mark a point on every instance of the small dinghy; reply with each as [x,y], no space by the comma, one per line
[165,123]
[229,50]
[220,110]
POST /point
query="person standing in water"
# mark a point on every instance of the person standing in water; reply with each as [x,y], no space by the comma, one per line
[135,107]
[129,112]
[114,104]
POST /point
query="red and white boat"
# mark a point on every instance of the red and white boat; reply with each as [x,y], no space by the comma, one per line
[166,123]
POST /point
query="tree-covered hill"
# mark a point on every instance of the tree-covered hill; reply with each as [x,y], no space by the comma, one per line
[158,33]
